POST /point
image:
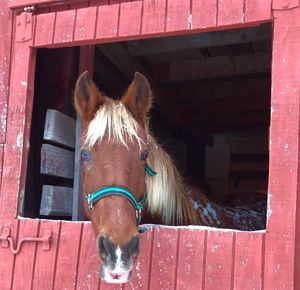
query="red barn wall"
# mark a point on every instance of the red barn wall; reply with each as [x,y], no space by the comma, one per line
[171,258]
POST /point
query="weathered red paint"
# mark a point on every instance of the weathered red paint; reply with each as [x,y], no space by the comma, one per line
[170,258]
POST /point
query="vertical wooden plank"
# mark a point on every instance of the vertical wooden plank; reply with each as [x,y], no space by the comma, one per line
[230,12]
[88,267]
[283,206]
[107,21]
[43,277]
[190,259]
[19,116]
[64,26]
[164,258]
[178,15]
[249,261]
[85,23]
[153,16]
[130,18]
[68,255]
[44,29]
[219,259]
[5,57]
[256,10]
[25,259]
[204,13]
[7,259]
[140,277]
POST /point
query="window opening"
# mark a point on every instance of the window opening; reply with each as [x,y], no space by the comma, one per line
[221,80]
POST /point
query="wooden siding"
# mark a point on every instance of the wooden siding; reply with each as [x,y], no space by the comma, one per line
[171,258]
[129,20]
[284,233]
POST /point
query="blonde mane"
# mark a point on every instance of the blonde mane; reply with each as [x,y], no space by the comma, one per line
[114,119]
[167,196]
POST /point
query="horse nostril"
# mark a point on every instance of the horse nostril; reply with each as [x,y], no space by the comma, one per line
[133,246]
[104,246]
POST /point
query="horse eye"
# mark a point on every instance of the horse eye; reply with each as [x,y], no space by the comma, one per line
[86,155]
[144,155]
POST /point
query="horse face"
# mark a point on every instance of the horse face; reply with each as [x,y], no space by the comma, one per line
[114,145]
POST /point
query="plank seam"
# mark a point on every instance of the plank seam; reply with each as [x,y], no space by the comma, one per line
[217,12]
[74,25]
[142,17]
[56,256]
[119,16]
[78,256]
[54,25]
[177,257]
[244,11]
[96,22]
[204,260]
[35,254]
[34,30]
[190,23]
[166,16]
[150,264]
[233,260]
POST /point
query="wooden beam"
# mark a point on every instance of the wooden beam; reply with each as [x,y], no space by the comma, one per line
[218,89]
[121,58]
[201,40]
[228,105]
[59,128]
[217,67]
[56,161]
[56,201]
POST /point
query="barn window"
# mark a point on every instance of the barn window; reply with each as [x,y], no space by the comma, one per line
[215,125]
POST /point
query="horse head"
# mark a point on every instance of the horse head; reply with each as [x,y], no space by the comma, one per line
[114,149]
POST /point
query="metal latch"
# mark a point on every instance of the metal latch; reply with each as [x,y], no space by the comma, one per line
[7,241]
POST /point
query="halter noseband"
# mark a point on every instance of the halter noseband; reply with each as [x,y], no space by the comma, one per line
[117,190]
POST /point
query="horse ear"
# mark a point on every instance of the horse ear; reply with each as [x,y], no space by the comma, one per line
[87,97]
[138,97]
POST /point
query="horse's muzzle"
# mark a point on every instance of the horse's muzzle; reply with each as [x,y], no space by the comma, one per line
[114,277]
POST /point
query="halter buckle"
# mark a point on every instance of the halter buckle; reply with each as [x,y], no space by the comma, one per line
[88,198]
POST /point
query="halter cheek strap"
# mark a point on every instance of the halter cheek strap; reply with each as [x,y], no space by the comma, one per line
[92,198]
[149,170]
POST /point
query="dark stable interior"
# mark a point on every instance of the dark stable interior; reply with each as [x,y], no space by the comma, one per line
[211,107]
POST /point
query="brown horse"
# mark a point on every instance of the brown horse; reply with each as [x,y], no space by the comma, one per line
[118,153]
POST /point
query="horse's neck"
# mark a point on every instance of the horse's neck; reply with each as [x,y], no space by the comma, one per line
[210,214]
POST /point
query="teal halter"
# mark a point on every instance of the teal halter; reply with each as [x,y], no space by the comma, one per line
[92,198]
[149,170]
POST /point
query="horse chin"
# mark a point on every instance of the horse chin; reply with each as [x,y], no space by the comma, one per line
[114,277]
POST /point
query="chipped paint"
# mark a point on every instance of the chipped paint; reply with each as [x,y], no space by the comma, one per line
[19,140]
[269,210]
[190,21]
